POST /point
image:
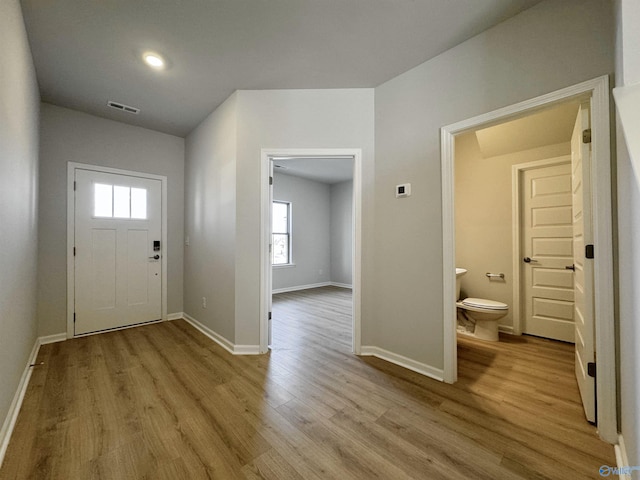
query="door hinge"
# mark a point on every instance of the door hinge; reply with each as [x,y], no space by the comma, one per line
[586,136]
[74,251]
[269,315]
[74,317]
[588,251]
[74,185]
[591,369]
[270,180]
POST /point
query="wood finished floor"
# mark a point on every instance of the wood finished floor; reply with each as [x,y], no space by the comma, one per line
[164,402]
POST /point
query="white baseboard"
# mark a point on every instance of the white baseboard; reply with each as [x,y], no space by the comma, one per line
[16,403]
[501,328]
[58,337]
[300,287]
[312,285]
[246,350]
[175,316]
[622,460]
[422,368]
[220,340]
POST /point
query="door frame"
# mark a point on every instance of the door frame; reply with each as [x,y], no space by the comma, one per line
[265,228]
[71,225]
[598,90]
[516,219]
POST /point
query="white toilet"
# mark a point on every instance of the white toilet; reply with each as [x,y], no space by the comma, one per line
[485,313]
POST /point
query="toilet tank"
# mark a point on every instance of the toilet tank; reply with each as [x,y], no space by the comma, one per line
[459,273]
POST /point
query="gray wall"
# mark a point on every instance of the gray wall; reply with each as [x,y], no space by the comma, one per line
[629,303]
[210,220]
[342,232]
[293,119]
[19,104]
[628,174]
[70,136]
[341,118]
[310,235]
[538,51]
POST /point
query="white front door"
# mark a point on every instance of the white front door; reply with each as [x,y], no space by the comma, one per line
[547,249]
[583,276]
[117,266]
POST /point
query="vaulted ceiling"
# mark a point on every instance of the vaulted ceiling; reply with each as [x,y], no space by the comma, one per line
[87,52]
[550,126]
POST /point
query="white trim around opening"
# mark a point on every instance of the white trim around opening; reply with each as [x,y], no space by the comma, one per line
[265,258]
[598,90]
[71,171]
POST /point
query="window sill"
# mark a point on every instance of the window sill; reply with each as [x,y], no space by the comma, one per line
[284,265]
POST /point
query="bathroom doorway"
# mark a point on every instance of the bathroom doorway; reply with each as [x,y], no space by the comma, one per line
[596,92]
[536,148]
[522,240]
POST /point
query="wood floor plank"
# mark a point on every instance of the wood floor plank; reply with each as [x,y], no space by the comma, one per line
[163,401]
[293,444]
[352,456]
[398,449]
[271,466]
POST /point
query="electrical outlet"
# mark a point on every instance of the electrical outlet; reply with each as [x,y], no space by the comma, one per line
[186,240]
[204,302]
[320,272]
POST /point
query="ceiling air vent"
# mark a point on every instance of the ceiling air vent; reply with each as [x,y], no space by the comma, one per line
[124,108]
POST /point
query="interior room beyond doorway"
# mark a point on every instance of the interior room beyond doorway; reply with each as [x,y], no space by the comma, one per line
[485,222]
[312,229]
[522,219]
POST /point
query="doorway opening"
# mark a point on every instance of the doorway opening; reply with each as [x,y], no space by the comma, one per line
[596,93]
[311,231]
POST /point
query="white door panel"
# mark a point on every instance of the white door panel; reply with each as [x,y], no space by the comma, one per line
[103,268]
[547,241]
[118,282]
[583,276]
[138,242]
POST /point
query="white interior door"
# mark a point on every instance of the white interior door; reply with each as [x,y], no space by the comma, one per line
[547,234]
[117,267]
[583,276]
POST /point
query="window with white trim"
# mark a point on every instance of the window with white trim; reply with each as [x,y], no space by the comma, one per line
[281,233]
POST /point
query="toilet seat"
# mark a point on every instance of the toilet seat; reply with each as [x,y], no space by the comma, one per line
[484,304]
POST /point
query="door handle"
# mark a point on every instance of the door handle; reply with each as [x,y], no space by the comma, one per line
[155,257]
[529,260]
[570,267]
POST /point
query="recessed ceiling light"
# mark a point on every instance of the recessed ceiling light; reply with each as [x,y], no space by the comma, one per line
[153,60]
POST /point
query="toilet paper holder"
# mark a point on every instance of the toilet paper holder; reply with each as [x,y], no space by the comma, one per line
[495,275]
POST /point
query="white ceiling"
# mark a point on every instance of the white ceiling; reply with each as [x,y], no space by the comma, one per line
[324,170]
[547,127]
[87,52]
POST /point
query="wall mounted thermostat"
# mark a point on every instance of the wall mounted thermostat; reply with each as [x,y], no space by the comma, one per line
[403,190]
